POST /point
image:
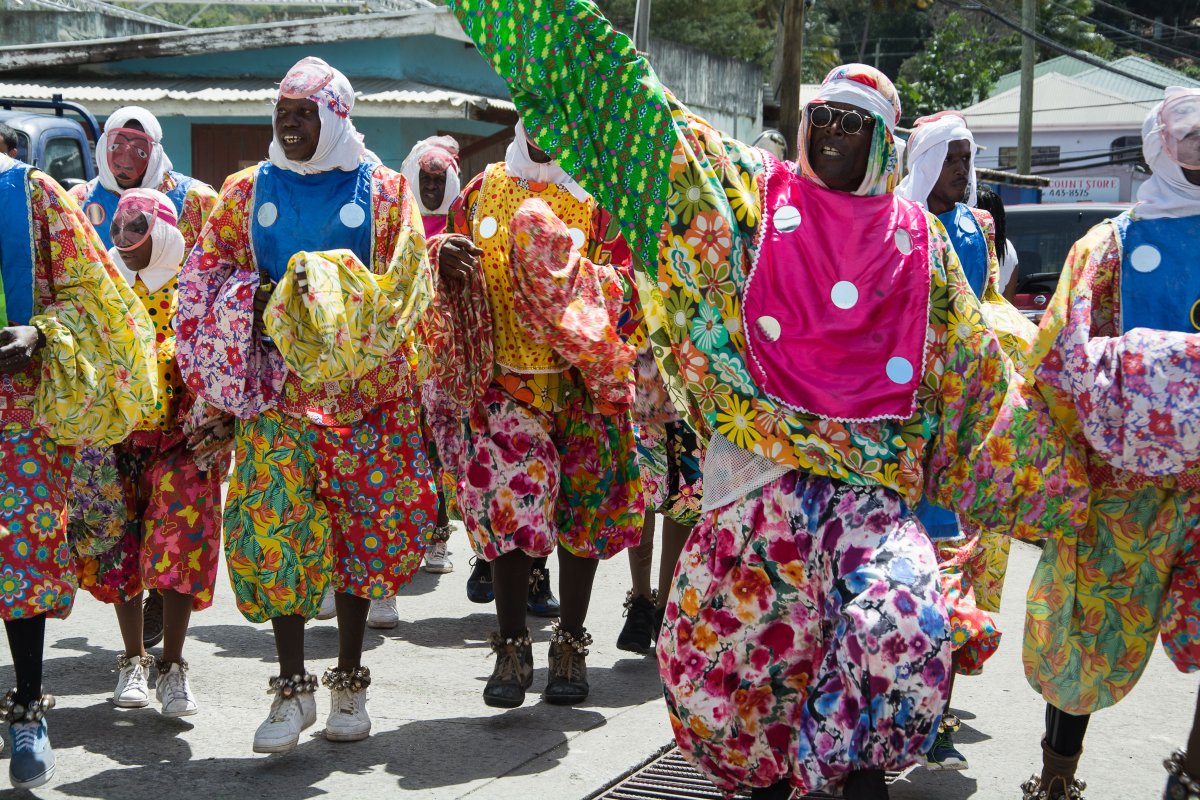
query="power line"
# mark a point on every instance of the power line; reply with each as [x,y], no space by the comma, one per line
[1129,13]
[1129,34]
[1056,46]
[1066,108]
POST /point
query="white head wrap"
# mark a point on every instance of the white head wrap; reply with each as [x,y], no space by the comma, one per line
[926,154]
[6,163]
[521,165]
[1168,193]
[166,245]
[411,170]
[340,145]
[159,164]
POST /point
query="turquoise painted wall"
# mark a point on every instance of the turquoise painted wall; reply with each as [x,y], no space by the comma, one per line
[426,59]
[391,139]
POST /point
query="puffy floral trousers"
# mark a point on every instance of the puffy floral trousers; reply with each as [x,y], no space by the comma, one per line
[37,574]
[172,534]
[806,637]
[309,504]
[530,480]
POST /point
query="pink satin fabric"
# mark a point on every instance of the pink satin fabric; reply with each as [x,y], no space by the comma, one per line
[836,311]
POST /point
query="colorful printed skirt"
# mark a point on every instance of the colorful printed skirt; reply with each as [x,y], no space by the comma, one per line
[310,503]
[172,532]
[805,637]
[530,480]
[672,462]
[1099,598]
[37,575]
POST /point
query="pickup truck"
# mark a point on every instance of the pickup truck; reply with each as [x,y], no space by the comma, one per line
[58,145]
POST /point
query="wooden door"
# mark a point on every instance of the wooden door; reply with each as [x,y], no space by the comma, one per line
[218,151]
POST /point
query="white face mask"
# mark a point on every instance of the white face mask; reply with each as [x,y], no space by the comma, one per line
[1180,121]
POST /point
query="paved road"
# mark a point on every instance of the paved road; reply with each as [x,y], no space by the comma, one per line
[435,738]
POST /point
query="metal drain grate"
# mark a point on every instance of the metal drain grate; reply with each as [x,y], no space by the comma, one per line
[667,776]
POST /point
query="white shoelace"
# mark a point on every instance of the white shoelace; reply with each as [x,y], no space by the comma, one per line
[282,709]
[347,702]
[25,735]
[176,688]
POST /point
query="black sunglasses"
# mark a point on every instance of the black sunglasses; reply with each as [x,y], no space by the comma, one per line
[821,115]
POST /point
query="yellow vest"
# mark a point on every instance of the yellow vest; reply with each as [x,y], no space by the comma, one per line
[499,198]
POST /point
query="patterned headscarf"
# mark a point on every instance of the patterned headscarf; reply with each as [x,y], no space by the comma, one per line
[340,145]
[866,88]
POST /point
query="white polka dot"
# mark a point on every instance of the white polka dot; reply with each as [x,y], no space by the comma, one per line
[694,194]
[787,219]
[267,214]
[899,370]
[904,241]
[578,238]
[844,294]
[488,228]
[770,328]
[966,224]
[352,215]
[1145,258]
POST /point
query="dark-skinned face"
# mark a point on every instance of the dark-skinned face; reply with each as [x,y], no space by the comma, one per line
[138,258]
[840,159]
[537,155]
[952,185]
[433,189]
[297,127]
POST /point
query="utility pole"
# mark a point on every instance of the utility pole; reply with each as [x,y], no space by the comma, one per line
[790,112]
[1028,62]
[641,26]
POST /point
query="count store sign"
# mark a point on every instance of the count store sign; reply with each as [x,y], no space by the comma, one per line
[1074,190]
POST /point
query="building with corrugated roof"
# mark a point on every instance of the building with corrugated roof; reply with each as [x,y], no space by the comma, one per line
[414,72]
[1087,125]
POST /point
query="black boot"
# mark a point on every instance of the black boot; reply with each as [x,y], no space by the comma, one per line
[568,683]
[152,619]
[541,602]
[637,636]
[513,673]
[479,585]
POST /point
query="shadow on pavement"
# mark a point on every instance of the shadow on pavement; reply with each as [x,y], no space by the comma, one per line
[424,754]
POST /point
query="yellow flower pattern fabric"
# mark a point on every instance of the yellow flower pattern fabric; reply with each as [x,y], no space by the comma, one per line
[346,320]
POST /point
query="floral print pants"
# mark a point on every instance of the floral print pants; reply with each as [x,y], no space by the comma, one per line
[973,634]
[37,575]
[173,531]
[805,637]
[530,480]
[672,462]
[309,504]
[1100,597]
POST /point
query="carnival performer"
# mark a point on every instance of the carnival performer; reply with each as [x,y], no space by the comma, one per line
[1120,349]
[75,353]
[172,535]
[129,155]
[671,457]
[296,312]
[805,640]
[941,177]
[547,462]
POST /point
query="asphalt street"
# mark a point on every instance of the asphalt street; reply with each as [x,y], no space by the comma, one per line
[434,738]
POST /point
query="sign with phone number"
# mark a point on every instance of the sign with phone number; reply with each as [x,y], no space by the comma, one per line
[1074,190]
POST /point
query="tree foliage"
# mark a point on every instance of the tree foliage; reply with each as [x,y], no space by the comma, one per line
[960,65]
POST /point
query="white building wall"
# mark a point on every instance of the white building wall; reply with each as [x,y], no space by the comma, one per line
[1070,143]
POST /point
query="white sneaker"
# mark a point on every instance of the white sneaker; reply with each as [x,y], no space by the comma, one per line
[383,614]
[436,560]
[133,685]
[328,605]
[174,693]
[280,731]
[348,719]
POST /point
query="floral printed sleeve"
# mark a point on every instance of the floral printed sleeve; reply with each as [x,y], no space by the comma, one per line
[1132,394]
[97,377]
[220,358]
[198,203]
[997,456]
